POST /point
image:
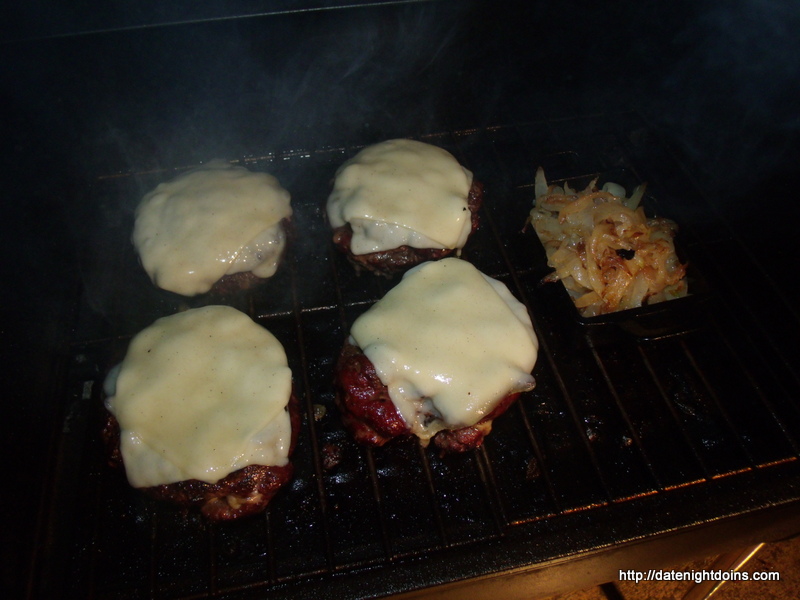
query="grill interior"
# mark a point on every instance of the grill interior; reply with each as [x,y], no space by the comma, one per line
[640,426]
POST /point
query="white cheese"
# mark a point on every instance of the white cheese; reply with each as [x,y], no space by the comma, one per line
[201,394]
[449,343]
[402,192]
[210,222]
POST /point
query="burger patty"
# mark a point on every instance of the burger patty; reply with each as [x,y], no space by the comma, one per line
[386,262]
[244,492]
[372,418]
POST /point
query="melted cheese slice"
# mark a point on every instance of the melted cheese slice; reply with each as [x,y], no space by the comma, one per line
[449,343]
[210,222]
[199,395]
[402,192]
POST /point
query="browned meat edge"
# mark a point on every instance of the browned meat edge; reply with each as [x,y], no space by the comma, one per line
[387,262]
[371,417]
[242,493]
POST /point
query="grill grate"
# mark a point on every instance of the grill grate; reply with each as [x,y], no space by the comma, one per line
[623,437]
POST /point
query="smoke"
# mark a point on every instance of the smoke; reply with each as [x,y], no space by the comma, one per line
[181,95]
[356,77]
[730,93]
[720,77]
[152,100]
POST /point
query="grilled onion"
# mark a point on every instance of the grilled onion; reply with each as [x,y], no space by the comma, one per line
[604,249]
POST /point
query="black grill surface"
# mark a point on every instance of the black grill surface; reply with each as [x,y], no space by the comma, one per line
[640,426]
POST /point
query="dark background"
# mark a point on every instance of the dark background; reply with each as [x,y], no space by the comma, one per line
[92,88]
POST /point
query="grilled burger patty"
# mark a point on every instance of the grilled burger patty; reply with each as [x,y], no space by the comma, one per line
[244,492]
[372,418]
[212,221]
[386,262]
